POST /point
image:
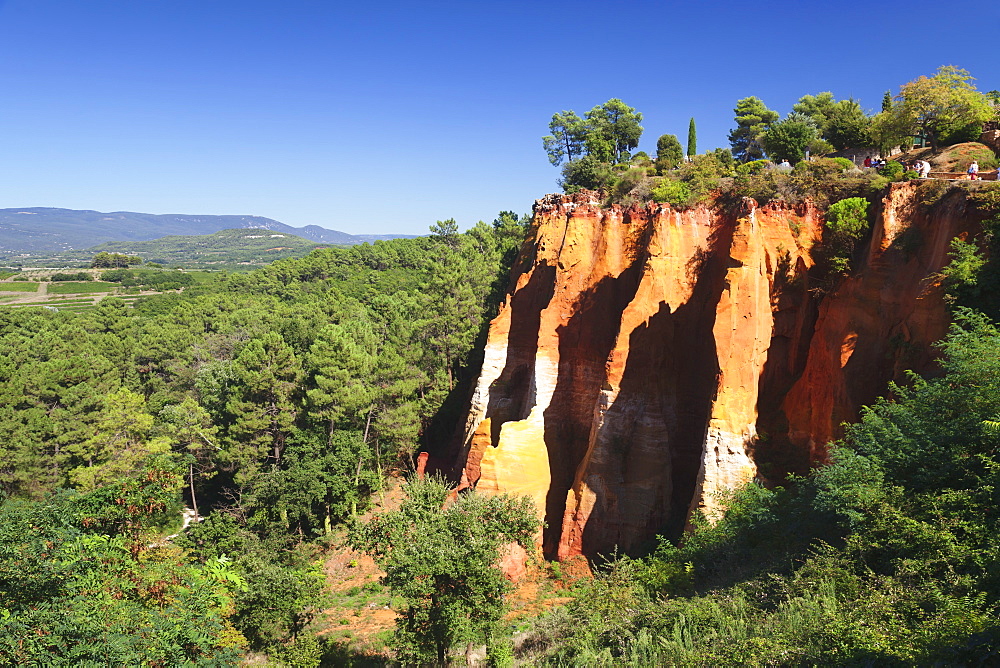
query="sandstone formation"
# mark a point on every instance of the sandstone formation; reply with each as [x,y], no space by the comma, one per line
[647,358]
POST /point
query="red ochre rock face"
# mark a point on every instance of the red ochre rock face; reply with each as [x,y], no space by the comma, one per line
[647,359]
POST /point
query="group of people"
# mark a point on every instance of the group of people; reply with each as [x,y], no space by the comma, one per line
[973,172]
[923,168]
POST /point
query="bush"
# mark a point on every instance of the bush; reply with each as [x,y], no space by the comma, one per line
[892,171]
[820,168]
[844,163]
[631,180]
[702,174]
[80,276]
[848,217]
[847,222]
[984,156]
[752,167]
[587,173]
[672,192]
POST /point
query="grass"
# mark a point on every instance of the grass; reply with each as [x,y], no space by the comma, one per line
[18,287]
[80,288]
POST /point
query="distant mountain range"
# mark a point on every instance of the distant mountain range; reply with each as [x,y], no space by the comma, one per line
[44,229]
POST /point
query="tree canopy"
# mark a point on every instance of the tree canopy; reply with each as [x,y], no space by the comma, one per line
[933,107]
[753,119]
[443,560]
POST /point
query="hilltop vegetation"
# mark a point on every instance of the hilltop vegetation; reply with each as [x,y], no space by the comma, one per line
[595,151]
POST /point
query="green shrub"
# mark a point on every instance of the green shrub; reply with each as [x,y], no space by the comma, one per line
[630,180]
[672,192]
[702,173]
[80,276]
[984,156]
[848,217]
[892,171]
[844,163]
[587,172]
[820,168]
[847,222]
[752,167]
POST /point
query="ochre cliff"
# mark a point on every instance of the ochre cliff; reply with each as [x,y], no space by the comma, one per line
[647,358]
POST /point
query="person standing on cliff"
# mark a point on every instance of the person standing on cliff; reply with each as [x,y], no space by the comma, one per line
[974,171]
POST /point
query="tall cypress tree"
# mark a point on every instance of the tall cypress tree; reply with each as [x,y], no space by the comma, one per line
[692,140]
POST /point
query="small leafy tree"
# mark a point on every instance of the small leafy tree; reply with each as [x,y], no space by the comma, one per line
[790,138]
[443,563]
[847,221]
[668,152]
[587,172]
[672,192]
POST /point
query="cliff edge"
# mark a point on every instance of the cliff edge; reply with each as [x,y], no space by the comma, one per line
[648,358]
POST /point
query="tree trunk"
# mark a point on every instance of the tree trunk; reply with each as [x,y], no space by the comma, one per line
[368,424]
[194,500]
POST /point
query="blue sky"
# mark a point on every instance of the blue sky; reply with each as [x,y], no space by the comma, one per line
[382,118]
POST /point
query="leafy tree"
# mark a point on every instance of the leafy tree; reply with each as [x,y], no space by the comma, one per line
[451,288]
[887,101]
[841,122]
[121,443]
[277,602]
[934,107]
[81,587]
[588,172]
[818,107]
[672,192]
[847,222]
[567,139]
[189,428]
[613,130]
[261,408]
[847,126]
[789,138]
[669,153]
[105,260]
[753,119]
[343,359]
[443,562]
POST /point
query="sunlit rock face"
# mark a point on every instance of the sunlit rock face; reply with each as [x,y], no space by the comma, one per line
[647,359]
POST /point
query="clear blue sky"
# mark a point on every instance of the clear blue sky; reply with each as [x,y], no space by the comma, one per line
[384,117]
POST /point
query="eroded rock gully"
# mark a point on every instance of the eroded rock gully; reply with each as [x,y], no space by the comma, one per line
[647,358]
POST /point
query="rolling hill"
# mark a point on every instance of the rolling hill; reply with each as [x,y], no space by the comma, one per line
[46,230]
